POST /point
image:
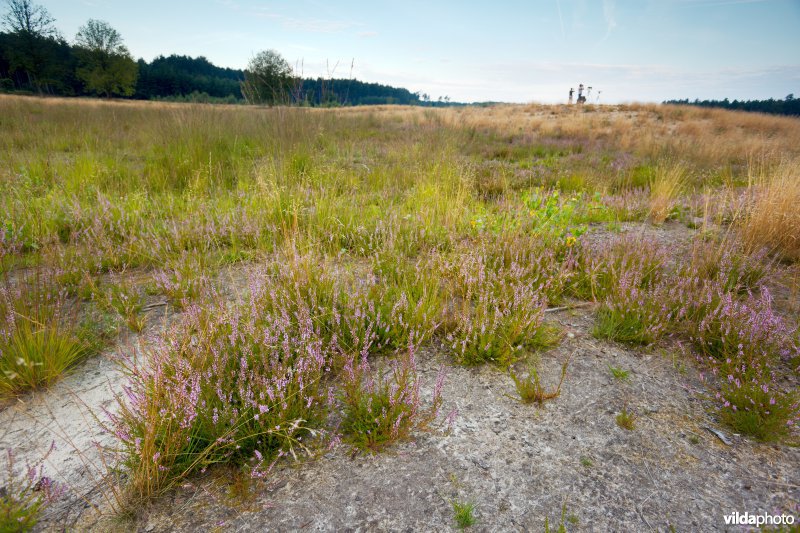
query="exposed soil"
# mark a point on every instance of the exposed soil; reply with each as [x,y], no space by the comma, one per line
[517,463]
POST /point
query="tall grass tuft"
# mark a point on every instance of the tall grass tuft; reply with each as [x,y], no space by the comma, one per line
[665,187]
[773,218]
[40,335]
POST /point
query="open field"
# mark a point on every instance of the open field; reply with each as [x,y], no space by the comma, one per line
[392,318]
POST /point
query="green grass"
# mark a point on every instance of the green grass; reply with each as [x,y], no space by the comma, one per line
[464,514]
[626,419]
[619,373]
[359,235]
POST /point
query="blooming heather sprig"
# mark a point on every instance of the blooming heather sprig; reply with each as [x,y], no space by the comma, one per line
[499,312]
[228,382]
[380,411]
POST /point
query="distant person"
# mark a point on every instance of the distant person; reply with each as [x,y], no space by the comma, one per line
[581,98]
[571,92]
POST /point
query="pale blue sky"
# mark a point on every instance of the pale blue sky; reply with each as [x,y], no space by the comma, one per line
[506,50]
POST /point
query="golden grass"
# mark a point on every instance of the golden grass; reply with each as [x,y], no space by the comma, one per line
[665,188]
[773,218]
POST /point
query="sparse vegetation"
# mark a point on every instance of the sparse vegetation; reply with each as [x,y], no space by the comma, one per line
[25,494]
[531,390]
[307,260]
[464,514]
[619,373]
[626,419]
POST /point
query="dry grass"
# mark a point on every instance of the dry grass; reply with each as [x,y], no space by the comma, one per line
[773,220]
[665,188]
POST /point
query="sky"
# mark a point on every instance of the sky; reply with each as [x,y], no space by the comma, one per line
[502,50]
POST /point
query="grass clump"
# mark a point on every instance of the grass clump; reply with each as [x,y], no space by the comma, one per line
[40,336]
[773,220]
[665,187]
[464,514]
[626,419]
[619,373]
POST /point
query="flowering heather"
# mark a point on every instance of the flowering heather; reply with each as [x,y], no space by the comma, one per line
[633,311]
[24,495]
[599,266]
[228,385]
[380,411]
[181,282]
[743,343]
[496,314]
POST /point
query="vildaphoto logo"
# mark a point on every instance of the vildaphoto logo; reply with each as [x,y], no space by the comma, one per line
[763,519]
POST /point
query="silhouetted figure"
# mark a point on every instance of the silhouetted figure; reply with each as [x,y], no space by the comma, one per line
[581,98]
[571,92]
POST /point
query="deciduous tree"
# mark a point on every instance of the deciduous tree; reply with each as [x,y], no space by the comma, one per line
[107,67]
[268,79]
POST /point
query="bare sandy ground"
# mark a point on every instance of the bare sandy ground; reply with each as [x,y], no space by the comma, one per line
[517,463]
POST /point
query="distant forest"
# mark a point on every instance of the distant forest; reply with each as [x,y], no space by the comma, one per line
[197,79]
[35,58]
[183,78]
[789,106]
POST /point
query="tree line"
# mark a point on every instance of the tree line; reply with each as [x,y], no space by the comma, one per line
[788,106]
[36,58]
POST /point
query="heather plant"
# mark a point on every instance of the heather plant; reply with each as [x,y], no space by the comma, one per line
[727,264]
[25,494]
[747,330]
[599,266]
[183,281]
[229,385]
[123,298]
[40,336]
[494,318]
[380,410]
[744,343]
[633,312]
[544,262]
[405,310]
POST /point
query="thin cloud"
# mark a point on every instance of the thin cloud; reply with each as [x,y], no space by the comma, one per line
[608,14]
[310,25]
[561,20]
[367,34]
